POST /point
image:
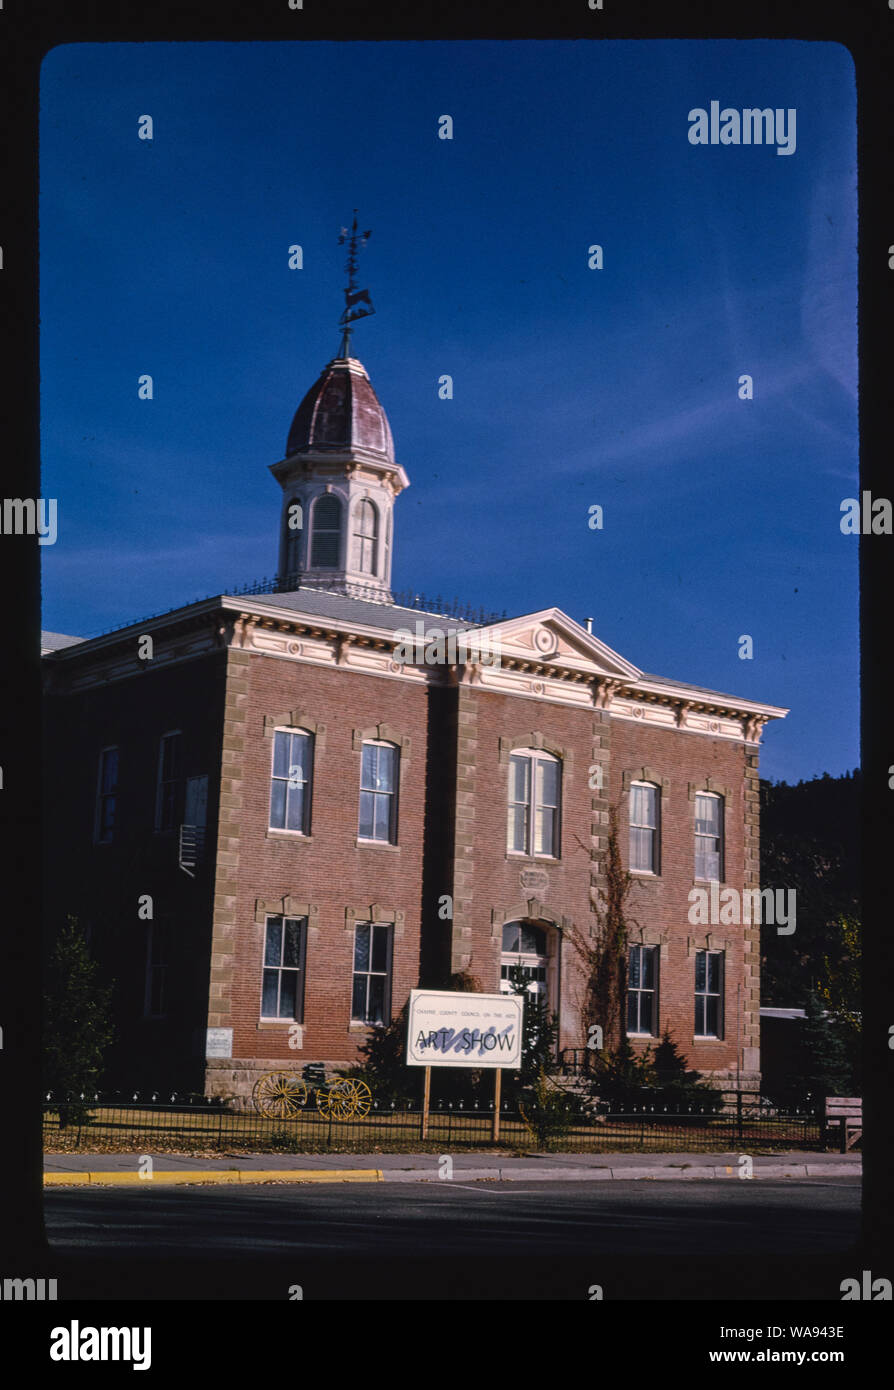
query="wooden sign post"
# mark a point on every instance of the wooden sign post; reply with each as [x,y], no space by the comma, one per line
[426,1096]
[498,1086]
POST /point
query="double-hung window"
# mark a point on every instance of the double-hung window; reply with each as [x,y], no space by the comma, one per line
[709,837]
[378,792]
[535,785]
[642,990]
[709,994]
[291,781]
[106,796]
[644,812]
[170,781]
[285,943]
[158,944]
[371,991]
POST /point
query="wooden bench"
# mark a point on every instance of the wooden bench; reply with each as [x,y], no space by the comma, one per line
[845,1113]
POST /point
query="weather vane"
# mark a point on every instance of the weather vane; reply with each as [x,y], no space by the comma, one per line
[358,304]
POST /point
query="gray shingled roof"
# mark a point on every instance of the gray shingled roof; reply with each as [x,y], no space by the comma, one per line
[701,689]
[55,641]
[322,603]
[344,608]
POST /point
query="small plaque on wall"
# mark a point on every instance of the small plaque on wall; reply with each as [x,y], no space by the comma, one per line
[219,1042]
[536,880]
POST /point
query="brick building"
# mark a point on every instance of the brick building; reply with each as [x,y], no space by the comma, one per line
[265,813]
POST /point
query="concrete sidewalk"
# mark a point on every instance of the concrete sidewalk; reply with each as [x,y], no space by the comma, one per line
[124,1169]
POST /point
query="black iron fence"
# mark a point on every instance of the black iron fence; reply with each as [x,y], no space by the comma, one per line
[198,1124]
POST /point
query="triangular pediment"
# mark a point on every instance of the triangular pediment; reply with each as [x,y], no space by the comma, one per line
[551,636]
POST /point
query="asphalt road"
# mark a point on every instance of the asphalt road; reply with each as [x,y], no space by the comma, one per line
[786,1239]
[455,1218]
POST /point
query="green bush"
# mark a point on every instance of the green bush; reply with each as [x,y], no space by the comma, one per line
[547,1112]
[656,1078]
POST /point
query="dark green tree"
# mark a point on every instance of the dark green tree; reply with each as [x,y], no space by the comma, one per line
[540,1032]
[809,843]
[677,1086]
[621,1077]
[840,991]
[545,1106]
[384,1063]
[77,1022]
[384,1060]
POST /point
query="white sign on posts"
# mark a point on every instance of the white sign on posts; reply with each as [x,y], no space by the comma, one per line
[454,1029]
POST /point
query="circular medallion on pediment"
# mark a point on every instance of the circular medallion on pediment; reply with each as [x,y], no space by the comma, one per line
[545,641]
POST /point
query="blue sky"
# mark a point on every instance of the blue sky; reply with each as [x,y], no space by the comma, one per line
[571,386]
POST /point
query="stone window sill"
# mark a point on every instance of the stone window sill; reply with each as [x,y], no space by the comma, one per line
[376,844]
[293,836]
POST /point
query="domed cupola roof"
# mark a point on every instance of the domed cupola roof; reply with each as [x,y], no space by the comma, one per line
[341,414]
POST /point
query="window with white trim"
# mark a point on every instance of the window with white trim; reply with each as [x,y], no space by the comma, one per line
[709,837]
[645,808]
[365,538]
[282,989]
[379,765]
[170,781]
[535,784]
[106,796]
[291,780]
[709,994]
[642,991]
[371,983]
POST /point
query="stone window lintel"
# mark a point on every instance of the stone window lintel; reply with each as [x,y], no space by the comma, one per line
[536,740]
[708,942]
[709,784]
[645,774]
[295,719]
[286,906]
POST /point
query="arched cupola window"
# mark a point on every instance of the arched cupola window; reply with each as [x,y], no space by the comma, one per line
[326,532]
[293,522]
[366,535]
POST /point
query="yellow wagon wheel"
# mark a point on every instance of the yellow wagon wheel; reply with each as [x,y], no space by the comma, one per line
[345,1099]
[279,1095]
[362,1097]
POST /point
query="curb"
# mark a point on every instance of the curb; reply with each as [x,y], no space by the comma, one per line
[622,1174]
[251,1176]
[171,1177]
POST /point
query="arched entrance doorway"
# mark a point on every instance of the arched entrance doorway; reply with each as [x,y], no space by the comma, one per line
[526,950]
